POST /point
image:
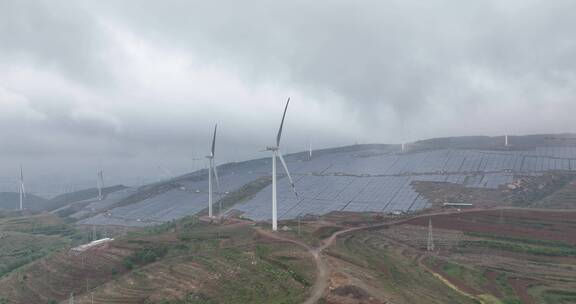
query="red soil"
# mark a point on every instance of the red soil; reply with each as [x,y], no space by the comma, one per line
[491,286]
[547,225]
[520,287]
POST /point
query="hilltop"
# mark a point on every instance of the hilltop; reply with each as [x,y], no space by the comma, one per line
[359,178]
[357,233]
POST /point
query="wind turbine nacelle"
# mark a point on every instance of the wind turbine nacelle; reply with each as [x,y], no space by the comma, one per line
[268,148]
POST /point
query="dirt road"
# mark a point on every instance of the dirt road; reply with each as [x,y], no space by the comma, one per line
[321,283]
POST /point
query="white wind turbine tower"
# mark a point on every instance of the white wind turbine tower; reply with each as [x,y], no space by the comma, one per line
[22,190]
[276,153]
[100,184]
[212,169]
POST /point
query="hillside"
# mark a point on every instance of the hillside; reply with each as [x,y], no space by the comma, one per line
[361,178]
[66,199]
[11,201]
[346,247]
[189,263]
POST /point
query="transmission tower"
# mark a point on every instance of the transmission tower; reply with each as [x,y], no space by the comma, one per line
[430,246]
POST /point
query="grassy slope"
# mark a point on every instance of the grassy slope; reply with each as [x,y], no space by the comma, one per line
[25,239]
[181,262]
[394,271]
[206,264]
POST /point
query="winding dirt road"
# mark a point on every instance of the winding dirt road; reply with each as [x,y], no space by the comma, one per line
[321,283]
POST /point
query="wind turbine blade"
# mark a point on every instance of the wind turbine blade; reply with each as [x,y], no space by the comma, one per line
[216,174]
[214,140]
[287,172]
[282,124]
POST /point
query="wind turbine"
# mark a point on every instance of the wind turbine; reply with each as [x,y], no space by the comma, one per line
[22,190]
[212,169]
[100,183]
[276,153]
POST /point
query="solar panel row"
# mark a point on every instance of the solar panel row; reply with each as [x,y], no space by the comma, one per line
[348,181]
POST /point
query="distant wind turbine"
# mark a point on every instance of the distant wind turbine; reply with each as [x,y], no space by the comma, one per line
[22,190]
[310,147]
[100,184]
[212,169]
[276,153]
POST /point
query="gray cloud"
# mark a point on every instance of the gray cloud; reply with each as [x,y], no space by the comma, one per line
[146,79]
[54,35]
[374,54]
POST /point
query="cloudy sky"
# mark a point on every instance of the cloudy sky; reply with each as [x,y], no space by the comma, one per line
[135,86]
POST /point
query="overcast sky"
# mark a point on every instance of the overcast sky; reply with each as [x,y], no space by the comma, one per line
[133,85]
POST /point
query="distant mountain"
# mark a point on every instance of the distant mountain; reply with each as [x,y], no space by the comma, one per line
[496,142]
[11,201]
[77,196]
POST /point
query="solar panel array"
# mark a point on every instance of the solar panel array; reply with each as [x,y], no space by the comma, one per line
[383,183]
[107,202]
[379,181]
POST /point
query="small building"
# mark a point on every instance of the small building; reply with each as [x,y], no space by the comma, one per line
[91,245]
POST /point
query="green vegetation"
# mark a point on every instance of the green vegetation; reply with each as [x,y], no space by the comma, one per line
[394,270]
[144,256]
[191,298]
[559,296]
[26,239]
[453,270]
[520,248]
[326,231]
[233,266]
[531,241]
[18,249]
[542,187]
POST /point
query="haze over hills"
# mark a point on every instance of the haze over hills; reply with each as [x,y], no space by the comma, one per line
[359,178]
[364,212]
[11,201]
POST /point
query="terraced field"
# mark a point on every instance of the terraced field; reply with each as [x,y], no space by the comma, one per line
[25,239]
[513,255]
[385,271]
[187,262]
[55,277]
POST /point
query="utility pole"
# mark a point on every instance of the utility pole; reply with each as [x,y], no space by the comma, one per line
[299,235]
[430,246]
